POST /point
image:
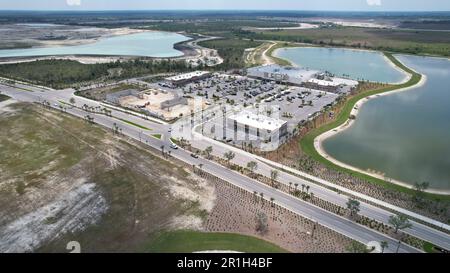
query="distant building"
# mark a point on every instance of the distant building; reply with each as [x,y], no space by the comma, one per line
[284,74]
[114,98]
[186,78]
[302,77]
[331,84]
[250,126]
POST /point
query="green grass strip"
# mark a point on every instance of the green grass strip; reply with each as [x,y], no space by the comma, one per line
[134,124]
[185,241]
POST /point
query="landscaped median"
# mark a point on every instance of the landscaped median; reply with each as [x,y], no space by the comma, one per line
[307,142]
[4,97]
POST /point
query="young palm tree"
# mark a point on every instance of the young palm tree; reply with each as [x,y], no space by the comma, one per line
[252,166]
[353,206]
[399,222]
[208,151]
[384,245]
[229,156]
[273,176]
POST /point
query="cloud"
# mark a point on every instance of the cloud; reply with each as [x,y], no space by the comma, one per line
[374,2]
[73,2]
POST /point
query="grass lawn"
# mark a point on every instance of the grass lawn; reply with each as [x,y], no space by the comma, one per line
[429,248]
[158,136]
[134,124]
[3,97]
[186,241]
[307,142]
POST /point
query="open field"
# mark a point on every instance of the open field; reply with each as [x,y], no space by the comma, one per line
[192,241]
[63,179]
[404,41]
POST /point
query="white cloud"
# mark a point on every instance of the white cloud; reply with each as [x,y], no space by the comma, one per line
[73,2]
[374,2]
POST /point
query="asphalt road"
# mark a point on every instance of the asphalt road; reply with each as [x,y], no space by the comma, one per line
[325,218]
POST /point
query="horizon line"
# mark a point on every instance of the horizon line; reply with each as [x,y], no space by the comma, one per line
[248,10]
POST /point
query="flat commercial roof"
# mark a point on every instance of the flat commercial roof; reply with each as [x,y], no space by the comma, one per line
[292,72]
[257,121]
[334,82]
[188,76]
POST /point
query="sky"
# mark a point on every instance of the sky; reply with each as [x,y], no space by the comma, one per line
[335,5]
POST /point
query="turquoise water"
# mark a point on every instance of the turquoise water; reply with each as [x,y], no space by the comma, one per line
[148,44]
[355,64]
[405,135]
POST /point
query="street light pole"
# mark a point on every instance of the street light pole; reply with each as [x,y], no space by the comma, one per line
[398,246]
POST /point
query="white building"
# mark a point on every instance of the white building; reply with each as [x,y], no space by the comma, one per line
[187,77]
[248,126]
[287,74]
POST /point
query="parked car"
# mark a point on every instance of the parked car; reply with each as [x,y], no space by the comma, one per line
[194,155]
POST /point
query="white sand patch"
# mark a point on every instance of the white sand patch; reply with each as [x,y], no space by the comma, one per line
[190,222]
[202,192]
[4,106]
[71,212]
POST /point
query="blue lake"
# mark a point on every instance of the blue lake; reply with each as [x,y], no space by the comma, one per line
[148,44]
[355,64]
[404,135]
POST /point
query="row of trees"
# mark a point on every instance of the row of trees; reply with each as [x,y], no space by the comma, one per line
[64,73]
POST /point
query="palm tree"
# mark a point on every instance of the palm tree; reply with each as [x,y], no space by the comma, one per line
[307,188]
[252,166]
[162,149]
[208,151]
[272,201]
[383,245]
[229,156]
[273,176]
[290,186]
[303,188]
[353,206]
[399,222]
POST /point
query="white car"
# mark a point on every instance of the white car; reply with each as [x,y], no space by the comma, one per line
[174,146]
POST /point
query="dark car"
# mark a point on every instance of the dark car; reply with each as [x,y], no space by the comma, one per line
[194,155]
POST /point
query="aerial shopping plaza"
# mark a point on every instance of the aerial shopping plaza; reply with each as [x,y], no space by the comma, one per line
[215,129]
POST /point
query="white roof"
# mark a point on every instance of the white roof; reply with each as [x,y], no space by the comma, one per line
[188,76]
[324,82]
[257,121]
[334,82]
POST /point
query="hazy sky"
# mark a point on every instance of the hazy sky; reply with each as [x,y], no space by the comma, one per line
[351,5]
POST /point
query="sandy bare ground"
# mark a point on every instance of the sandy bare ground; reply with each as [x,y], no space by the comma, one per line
[300,26]
[108,195]
[71,212]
